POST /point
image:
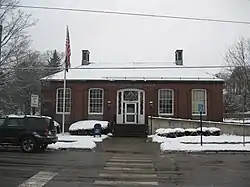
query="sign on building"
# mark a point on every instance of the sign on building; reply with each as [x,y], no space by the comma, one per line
[34,100]
[201,108]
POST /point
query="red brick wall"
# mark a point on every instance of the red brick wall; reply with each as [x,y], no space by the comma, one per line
[182,101]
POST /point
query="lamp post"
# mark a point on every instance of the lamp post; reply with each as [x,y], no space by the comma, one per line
[151,116]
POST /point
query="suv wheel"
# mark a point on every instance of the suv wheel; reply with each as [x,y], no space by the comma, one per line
[28,144]
[43,146]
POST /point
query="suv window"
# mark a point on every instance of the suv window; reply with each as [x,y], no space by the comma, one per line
[37,123]
[1,121]
[15,122]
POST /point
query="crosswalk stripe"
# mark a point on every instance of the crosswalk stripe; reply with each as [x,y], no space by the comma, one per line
[128,169]
[132,158]
[129,164]
[128,160]
[121,175]
[38,180]
[125,183]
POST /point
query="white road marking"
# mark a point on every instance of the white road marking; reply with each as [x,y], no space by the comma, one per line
[124,183]
[128,160]
[38,180]
[128,169]
[128,175]
[129,164]
[131,158]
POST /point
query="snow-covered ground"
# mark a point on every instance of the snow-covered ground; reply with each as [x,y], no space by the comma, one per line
[67,141]
[211,143]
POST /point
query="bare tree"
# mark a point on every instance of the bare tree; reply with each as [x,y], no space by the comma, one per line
[237,83]
[14,45]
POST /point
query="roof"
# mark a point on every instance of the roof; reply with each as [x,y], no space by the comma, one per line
[138,72]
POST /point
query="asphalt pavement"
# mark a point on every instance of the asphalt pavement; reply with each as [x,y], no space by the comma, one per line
[123,162]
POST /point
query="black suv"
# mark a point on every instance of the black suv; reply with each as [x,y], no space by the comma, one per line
[31,133]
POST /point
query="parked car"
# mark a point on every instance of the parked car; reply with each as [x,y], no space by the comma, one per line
[31,133]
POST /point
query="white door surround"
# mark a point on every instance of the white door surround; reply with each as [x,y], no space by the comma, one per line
[130,106]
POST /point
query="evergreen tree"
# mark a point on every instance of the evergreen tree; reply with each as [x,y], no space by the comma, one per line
[54,63]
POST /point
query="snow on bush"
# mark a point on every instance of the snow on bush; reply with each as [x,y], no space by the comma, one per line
[87,124]
[204,129]
[191,132]
[179,132]
[160,130]
[213,129]
[172,133]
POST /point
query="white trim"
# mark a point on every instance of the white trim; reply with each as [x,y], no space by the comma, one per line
[120,117]
[205,107]
[94,113]
[127,113]
[57,101]
[166,114]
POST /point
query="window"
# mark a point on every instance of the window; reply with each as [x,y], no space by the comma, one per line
[59,101]
[96,101]
[199,96]
[166,102]
[15,122]
[1,122]
[37,123]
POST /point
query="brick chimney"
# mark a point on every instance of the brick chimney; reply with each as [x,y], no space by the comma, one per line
[85,57]
[179,57]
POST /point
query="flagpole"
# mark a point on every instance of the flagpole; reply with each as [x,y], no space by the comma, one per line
[67,65]
[64,94]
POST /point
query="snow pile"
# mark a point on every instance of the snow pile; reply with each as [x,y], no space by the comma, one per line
[210,143]
[87,124]
[67,141]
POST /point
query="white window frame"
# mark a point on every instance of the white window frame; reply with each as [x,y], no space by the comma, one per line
[66,112]
[196,113]
[165,114]
[95,113]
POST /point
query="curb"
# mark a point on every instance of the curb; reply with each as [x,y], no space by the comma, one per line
[207,151]
[72,149]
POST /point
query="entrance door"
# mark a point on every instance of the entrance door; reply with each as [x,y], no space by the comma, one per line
[130,113]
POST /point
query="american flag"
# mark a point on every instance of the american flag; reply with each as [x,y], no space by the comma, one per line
[67,51]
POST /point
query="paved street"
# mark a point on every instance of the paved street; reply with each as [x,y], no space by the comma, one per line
[123,162]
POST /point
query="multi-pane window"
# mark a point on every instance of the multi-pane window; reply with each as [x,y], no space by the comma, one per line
[96,101]
[166,102]
[199,99]
[59,101]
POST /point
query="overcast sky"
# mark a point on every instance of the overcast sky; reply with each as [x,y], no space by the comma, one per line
[116,39]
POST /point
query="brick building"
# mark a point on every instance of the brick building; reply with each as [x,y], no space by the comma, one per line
[126,94]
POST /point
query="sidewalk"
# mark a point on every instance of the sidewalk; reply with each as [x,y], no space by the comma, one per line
[128,146]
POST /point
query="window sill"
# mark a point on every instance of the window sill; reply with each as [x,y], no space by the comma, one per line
[95,113]
[199,114]
[62,113]
[165,114]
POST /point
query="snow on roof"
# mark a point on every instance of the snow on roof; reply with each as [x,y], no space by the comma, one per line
[22,116]
[138,72]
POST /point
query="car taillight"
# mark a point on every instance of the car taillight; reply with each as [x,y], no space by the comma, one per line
[46,132]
